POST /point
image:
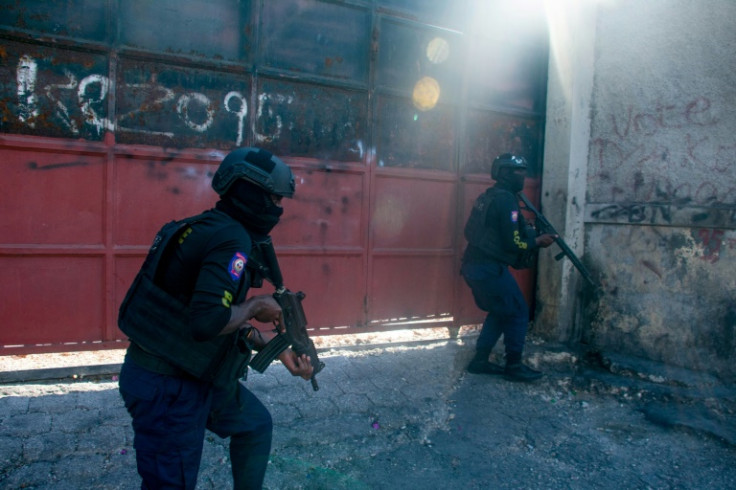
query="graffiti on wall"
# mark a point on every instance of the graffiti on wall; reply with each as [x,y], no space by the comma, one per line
[666,165]
[714,243]
[667,153]
[56,94]
[679,213]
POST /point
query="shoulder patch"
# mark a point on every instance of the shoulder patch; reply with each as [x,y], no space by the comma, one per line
[237,265]
[514,216]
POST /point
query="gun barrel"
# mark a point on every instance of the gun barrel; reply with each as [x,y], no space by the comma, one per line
[565,249]
[317,368]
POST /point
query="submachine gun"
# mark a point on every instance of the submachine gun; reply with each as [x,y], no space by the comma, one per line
[544,226]
[264,265]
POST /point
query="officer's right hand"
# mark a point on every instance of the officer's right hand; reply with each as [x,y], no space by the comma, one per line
[546,240]
[265,309]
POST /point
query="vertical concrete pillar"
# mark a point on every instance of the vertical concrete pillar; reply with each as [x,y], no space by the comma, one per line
[567,138]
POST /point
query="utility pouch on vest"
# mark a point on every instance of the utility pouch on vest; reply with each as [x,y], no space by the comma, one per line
[235,361]
[158,322]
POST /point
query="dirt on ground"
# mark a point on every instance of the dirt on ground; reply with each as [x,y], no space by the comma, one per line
[398,412]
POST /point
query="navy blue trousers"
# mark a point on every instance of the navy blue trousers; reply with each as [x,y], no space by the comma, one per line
[496,292]
[170,415]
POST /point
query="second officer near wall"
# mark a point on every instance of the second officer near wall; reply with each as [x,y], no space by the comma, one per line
[498,237]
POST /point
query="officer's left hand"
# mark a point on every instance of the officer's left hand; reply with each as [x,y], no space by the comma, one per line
[297,365]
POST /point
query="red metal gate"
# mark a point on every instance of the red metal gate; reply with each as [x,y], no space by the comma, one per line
[115,118]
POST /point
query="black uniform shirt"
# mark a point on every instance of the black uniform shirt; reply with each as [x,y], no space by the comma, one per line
[510,224]
[496,229]
[206,270]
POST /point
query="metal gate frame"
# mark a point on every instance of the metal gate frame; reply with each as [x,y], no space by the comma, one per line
[374,235]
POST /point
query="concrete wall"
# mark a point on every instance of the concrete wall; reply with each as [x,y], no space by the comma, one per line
[640,177]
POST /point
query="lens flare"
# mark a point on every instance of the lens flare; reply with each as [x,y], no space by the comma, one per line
[426,94]
[438,50]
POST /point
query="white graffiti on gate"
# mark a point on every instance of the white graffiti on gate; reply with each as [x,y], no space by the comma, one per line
[26,79]
[196,111]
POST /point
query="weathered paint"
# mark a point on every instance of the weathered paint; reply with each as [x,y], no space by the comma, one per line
[115,114]
[661,301]
[658,219]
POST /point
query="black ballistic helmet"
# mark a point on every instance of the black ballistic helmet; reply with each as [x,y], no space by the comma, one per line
[260,167]
[507,160]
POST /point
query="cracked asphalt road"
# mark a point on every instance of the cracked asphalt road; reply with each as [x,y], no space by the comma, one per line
[400,416]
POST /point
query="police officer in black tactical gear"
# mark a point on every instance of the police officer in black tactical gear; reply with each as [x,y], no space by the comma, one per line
[187,317]
[498,237]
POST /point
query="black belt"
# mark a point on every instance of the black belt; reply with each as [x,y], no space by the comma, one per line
[152,362]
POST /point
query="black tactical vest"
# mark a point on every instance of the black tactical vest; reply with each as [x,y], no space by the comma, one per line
[486,240]
[158,323]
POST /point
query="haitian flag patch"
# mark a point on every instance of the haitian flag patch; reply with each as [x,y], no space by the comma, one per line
[514,216]
[237,266]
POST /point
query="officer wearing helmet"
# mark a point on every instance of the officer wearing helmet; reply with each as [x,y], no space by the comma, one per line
[498,237]
[187,317]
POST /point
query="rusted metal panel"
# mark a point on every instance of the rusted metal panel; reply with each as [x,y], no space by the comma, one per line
[326,212]
[411,286]
[52,255]
[413,213]
[150,191]
[334,284]
[415,57]
[218,30]
[418,77]
[452,14]
[321,244]
[53,92]
[76,19]
[310,120]
[411,262]
[317,38]
[51,299]
[410,138]
[490,133]
[52,198]
[116,114]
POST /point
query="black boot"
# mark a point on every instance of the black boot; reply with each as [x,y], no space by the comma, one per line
[516,371]
[519,372]
[481,365]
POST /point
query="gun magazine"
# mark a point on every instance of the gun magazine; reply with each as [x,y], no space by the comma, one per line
[271,351]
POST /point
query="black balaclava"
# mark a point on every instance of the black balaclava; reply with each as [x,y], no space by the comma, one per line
[508,179]
[251,205]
